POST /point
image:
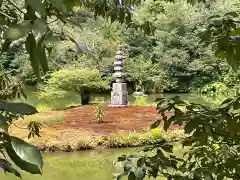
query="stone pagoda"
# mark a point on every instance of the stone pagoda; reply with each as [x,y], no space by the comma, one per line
[119,94]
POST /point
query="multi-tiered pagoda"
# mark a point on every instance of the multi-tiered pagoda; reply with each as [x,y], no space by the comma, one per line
[119,94]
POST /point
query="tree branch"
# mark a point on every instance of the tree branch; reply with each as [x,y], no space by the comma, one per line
[52,21]
[10,2]
[12,18]
[19,127]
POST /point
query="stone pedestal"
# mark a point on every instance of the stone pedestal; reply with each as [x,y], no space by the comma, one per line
[119,95]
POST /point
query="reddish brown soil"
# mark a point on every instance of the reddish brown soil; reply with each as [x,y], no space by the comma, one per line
[116,120]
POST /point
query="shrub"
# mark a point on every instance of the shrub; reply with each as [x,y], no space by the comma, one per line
[215,88]
[141,100]
[99,114]
[46,119]
[78,79]
[82,81]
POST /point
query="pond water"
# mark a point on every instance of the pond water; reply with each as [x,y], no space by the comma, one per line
[84,165]
[72,99]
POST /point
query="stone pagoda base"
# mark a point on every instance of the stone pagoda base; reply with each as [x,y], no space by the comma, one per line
[117,106]
[119,95]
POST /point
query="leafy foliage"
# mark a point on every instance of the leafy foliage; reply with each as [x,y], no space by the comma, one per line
[33,24]
[82,81]
[77,79]
[23,154]
[224,32]
[212,142]
[212,134]
[177,59]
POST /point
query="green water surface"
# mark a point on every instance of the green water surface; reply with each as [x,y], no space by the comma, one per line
[84,165]
[73,99]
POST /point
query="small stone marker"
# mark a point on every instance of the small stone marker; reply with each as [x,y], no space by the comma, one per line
[119,94]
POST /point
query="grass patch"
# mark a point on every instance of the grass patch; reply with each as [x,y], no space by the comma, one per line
[130,139]
[47,119]
[43,108]
[98,100]
[142,101]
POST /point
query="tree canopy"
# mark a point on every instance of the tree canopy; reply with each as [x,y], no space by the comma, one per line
[31,20]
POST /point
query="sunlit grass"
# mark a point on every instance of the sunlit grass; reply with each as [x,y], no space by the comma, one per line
[142,101]
[43,108]
[98,100]
[45,119]
[72,105]
[64,141]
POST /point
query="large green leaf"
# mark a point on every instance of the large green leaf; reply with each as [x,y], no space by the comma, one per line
[167,122]
[5,45]
[7,167]
[43,59]
[17,31]
[128,166]
[139,174]
[141,161]
[59,4]
[155,124]
[167,148]
[39,29]
[233,14]
[232,58]
[190,126]
[25,155]
[122,158]
[31,47]
[17,108]
[71,3]
[3,124]
[131,176]
[226,102]
[37,5]
[120,176]
[50,38]
[220,54]
[41,53]
[235,32]
[36,47]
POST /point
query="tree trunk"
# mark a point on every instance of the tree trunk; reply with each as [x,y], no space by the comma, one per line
[85,97]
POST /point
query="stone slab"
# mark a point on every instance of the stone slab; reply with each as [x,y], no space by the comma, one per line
[118,106]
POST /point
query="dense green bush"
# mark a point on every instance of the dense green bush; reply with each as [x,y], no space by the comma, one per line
[77,79]
[82,81]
